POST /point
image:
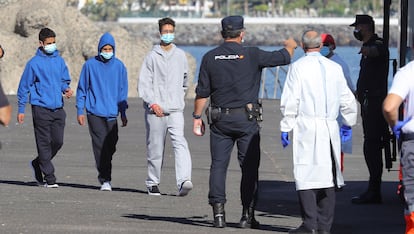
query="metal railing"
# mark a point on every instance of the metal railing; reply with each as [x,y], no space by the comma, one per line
[278,75]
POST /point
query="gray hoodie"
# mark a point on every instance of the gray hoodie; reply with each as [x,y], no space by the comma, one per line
[163,78]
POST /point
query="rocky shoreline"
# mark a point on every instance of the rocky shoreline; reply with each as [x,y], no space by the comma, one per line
[265,34]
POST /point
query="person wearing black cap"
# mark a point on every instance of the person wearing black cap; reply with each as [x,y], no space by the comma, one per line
[371,91]
[230,76]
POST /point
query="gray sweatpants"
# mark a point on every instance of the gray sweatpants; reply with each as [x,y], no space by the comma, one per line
[157,128]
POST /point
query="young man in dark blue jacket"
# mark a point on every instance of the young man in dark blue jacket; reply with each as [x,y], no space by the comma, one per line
[103,92]
[44,82]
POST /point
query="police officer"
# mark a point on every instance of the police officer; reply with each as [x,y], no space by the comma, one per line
[230,75]
[371,91]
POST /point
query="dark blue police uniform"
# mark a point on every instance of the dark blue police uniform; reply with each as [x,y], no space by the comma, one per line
[372,89]
[230,75]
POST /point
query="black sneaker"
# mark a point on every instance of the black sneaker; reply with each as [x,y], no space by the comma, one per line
[153,190]
[37,173]
[367,198]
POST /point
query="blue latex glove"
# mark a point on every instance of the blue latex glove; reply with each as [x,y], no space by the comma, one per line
[397,128]
[284,137]
[346,133]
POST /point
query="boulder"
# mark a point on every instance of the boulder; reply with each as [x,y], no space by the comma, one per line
[77,40]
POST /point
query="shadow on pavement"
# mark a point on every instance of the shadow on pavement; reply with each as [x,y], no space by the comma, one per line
[194,220]
[202,221]
[279,200]
[80,186]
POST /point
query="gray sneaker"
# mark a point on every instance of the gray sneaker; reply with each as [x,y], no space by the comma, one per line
[185,188]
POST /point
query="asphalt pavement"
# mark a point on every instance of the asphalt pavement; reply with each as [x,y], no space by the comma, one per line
[78,206]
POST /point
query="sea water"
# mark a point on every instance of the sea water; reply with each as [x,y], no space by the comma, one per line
[274,78]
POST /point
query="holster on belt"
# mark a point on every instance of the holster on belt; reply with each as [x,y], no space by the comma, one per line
[213,114]
[255,111]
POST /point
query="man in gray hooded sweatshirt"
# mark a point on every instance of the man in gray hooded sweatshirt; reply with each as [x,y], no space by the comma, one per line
[162,85]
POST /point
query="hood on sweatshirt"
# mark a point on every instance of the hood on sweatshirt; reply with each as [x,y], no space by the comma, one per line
[106,39]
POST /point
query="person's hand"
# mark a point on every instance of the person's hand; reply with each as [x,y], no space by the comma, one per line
[124,120]
[346,133]
[398,126]
[290,46]
[364,51]
[198,127]
[290,43]
[20,118]
[157,110]
[284,137]
[68,93]
[5,115]
[369,51]
[81,120]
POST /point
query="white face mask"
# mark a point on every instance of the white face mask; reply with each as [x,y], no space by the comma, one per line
[107,55]
[167,38]
[50,48]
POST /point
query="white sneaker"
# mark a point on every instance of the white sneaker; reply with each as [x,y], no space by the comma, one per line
[51,185]
[185,188]
[106,186]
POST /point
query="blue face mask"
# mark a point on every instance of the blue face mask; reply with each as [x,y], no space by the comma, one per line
[107,55]
[50,48]
[167,38]
[325,51]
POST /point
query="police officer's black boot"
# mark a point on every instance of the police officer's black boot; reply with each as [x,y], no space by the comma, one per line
[219,215]
[371,196]
[247,219]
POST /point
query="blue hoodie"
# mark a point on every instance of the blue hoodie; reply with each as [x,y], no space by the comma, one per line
[45,78]
[103,84]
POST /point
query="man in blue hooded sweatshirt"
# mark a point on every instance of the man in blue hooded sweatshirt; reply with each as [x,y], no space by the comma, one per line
[103,92]
[46,78]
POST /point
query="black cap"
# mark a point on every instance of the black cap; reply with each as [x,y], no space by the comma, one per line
[363,19]
[231,23]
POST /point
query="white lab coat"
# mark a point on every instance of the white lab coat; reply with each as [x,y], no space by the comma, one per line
[314,92]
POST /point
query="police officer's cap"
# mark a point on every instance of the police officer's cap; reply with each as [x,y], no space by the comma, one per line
[363,19]
[231,23]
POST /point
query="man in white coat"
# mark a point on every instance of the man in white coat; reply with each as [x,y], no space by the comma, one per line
[315,92]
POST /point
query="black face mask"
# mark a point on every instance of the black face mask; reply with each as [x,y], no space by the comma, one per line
[358,34]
